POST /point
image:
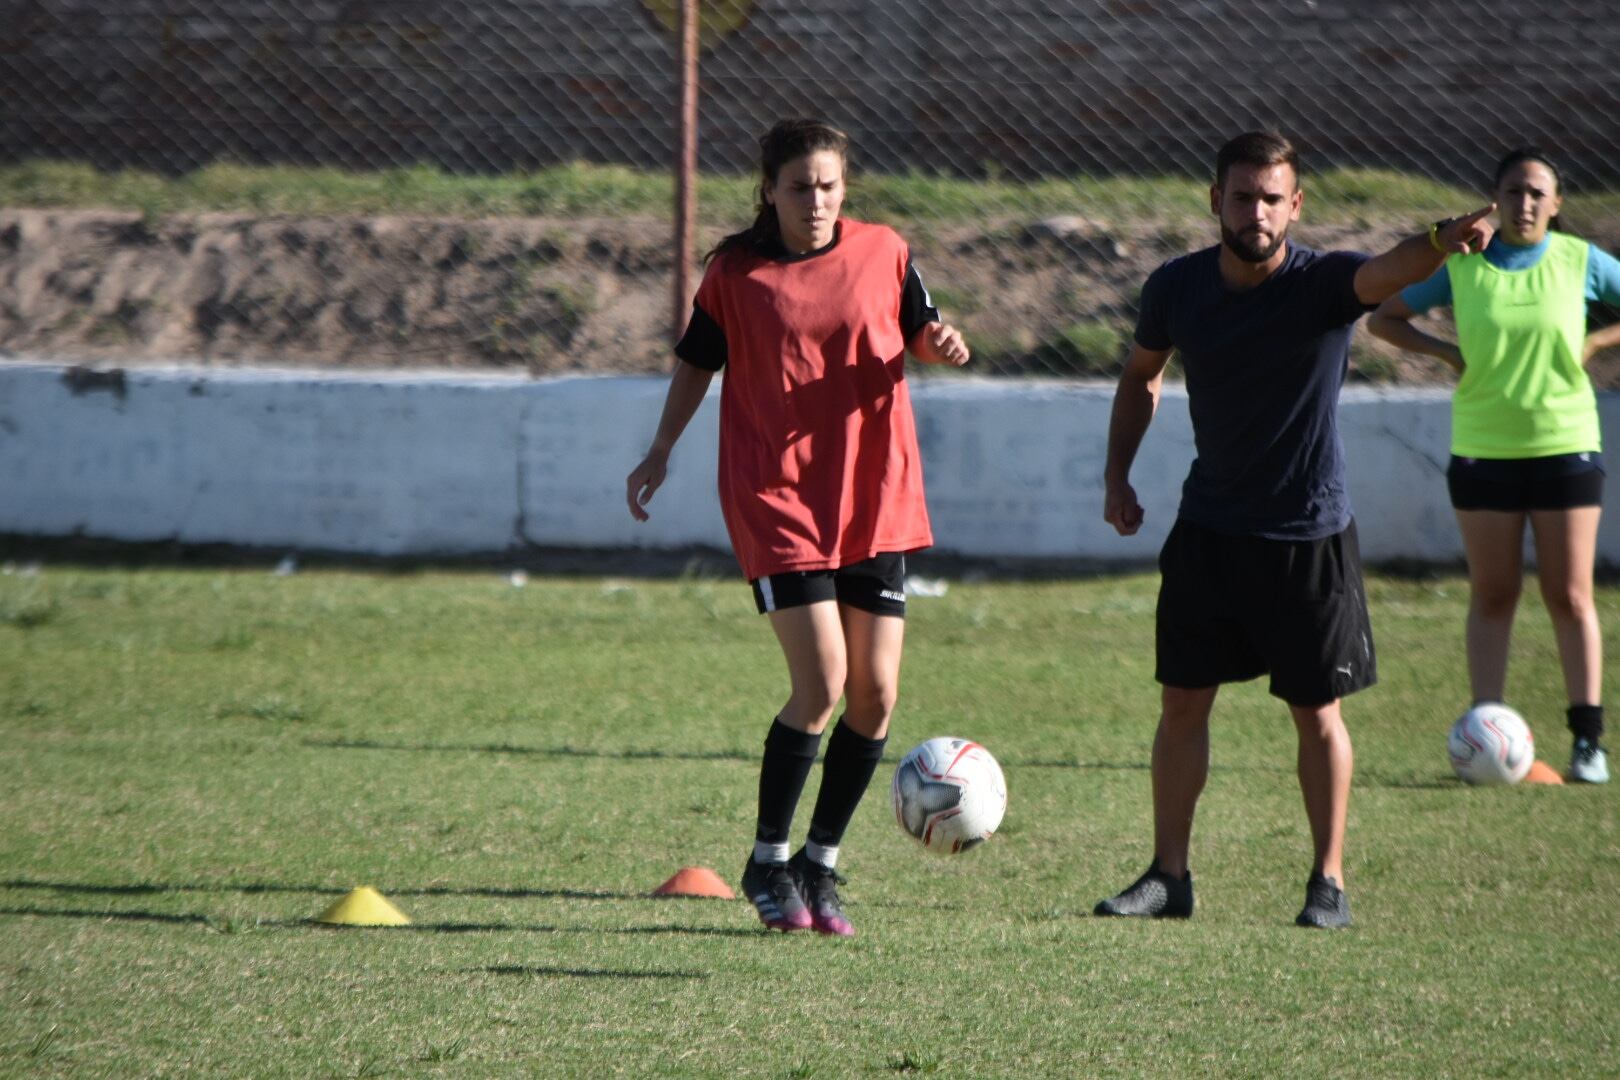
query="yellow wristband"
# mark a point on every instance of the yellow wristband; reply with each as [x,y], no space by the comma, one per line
[1434,235]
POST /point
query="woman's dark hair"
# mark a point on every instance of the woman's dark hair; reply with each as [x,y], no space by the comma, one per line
[787,141]
[1518,156]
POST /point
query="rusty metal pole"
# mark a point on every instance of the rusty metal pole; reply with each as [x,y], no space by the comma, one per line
[685,162]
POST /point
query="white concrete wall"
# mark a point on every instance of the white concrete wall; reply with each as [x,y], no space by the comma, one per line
[453,464]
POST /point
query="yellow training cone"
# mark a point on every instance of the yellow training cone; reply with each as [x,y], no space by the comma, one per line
[364,906]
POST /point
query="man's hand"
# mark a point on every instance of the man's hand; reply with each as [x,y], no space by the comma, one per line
[1121,510]
[1469,233]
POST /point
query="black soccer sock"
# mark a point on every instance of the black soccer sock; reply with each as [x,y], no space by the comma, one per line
[852,758]
[1586,721]
[789,754]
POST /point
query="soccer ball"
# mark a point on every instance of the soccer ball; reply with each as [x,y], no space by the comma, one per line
[949,795]
[1491,744]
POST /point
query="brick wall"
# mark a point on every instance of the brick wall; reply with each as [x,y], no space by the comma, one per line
[1020,86]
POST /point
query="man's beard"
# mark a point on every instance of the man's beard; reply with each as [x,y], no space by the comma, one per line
[1247,246]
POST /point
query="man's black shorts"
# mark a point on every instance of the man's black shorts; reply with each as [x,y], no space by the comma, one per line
[877,585]
[1233,608]
[1559,482]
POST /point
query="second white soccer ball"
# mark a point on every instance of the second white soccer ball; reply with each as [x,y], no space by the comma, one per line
[1491,744]
[949,794]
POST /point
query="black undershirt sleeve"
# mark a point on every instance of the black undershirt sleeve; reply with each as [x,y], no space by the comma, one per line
[917,308]
[704,343]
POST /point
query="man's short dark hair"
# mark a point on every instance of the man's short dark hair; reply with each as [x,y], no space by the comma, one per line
[1258,149]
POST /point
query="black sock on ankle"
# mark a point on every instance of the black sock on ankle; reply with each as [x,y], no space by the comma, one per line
[852,758]
[1153,868]
[1586,721]
[789,754]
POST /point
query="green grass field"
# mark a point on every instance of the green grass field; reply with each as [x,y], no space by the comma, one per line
[198,760]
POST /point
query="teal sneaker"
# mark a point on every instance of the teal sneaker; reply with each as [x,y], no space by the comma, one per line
[1588,764]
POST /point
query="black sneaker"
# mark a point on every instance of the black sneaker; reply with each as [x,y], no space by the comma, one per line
[774,892]
[1154,895]
[819,887]
[1325,904]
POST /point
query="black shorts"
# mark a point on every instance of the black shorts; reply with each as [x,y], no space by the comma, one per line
[877,585]
[1233,608]
[1559,482]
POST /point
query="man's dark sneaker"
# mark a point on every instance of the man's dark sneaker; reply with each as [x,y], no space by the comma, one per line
[1325,904]
[774,892]
[1154,895]
[819,886]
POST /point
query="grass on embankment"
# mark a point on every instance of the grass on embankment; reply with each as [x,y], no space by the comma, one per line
[582,190]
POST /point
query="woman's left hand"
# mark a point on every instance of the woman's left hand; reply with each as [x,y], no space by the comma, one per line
[1598,340]
[943,344]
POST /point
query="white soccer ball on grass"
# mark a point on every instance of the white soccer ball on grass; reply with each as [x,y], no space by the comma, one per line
[949,795]
[1491,744]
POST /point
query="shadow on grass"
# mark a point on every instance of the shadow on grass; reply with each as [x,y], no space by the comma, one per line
[147,888]
[749,756]
[532,928]
[541,751]
[581,973]
[695,562]
[275,924]
[238,925]
[1408,782]
[913,905]
[122,916]
[752,930]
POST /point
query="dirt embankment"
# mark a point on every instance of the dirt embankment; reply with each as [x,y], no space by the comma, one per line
[542,295]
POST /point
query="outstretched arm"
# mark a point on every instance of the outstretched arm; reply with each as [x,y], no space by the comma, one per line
[687,386]
[1416,257]
[1136,399]
[1393,322]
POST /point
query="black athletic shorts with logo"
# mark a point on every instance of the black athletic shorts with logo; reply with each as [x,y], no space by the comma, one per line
[1232,608]
[1559,482]
[877,585]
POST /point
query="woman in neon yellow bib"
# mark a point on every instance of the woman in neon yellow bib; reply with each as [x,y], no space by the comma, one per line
[1525,442]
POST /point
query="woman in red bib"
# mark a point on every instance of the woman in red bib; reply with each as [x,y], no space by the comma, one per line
[820,483]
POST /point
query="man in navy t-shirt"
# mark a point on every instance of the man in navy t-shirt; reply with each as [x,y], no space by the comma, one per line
[1261,572]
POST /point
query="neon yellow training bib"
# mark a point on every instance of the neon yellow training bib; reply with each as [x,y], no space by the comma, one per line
[1524,392]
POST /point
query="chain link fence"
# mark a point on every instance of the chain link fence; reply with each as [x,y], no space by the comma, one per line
[488,183]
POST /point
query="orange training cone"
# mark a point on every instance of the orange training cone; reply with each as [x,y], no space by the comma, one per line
[695,881]
[1542,773]
[364,906]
